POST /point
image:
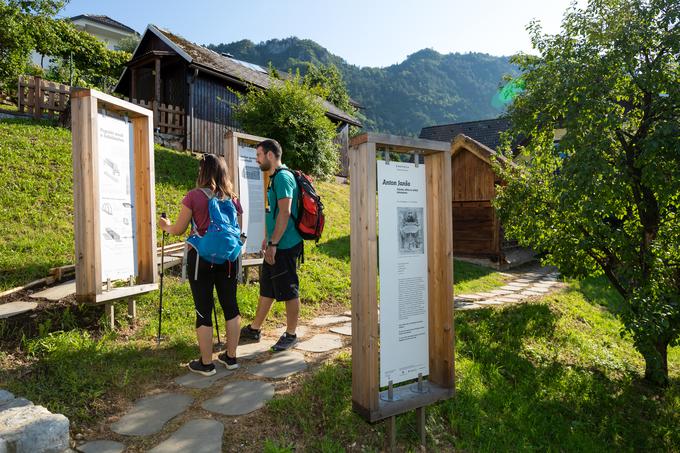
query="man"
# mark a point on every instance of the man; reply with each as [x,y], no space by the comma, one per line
[282,247]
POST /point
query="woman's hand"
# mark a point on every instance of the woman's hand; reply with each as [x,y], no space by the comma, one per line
[164,223]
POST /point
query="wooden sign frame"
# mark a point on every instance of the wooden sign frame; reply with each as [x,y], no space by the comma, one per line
[231,155]
[85,105]
[367,399]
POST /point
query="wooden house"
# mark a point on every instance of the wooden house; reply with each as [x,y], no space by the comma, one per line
[199,83]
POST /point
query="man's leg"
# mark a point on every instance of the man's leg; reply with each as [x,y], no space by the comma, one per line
[292,315]
[263,307]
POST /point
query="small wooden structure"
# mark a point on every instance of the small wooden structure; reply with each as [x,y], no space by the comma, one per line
[367,399]
[166,68]
[38,96]
[85,105]
[477,230]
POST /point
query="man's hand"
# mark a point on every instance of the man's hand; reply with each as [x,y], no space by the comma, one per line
[263,247]
[269,254]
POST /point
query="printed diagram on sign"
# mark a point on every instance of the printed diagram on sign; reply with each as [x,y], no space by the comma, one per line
[410,233]
[111,169]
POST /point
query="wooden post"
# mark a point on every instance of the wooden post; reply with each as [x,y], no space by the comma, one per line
[364,258]
[133,83]
[157,92]
[110,315]
[132,303]
[37,97]
[86,195]
[440,275]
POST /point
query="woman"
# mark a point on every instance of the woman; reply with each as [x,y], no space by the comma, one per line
[212,175]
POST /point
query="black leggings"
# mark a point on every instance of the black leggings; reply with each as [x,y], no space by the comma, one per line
[220,276]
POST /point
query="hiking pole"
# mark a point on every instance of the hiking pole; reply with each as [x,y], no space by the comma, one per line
[217,326]
[160,304]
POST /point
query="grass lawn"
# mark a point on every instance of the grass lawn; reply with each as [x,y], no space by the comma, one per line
[552,375]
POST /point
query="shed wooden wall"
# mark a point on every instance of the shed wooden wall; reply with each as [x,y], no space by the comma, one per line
[212,101]
[475,224]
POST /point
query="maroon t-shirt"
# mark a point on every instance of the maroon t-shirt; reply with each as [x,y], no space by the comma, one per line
[197,201]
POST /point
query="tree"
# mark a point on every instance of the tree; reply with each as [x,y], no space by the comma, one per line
[606,199]
[31,25]
[291,112]
[329,79]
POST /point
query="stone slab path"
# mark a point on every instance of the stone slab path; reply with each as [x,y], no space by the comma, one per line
[102,446]
[345,329]
[16,308]
[248,388]
[322,342]
[57,292]
[150,414]
[240,398]
[280,366]
[524,286]
[195,436]
[197,381]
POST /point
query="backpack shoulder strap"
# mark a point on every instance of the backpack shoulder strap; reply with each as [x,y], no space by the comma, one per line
[207,192]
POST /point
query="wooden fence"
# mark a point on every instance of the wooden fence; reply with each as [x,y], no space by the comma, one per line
[40,97]
[52,99]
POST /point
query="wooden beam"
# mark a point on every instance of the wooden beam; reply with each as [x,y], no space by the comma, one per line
[111,103]
[401,144]
[364,257]
[133,83]
[145,200]
[157,92]
[86,197]
[440,269]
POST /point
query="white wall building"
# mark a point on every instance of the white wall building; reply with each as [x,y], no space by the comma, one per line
[105,29]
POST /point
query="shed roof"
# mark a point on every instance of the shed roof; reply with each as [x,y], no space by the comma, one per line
[485,132]
[235,70]
[483,152]
[105,20]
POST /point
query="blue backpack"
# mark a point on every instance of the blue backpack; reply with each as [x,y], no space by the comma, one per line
[222,241]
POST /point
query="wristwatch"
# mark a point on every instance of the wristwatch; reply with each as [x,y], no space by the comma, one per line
[272,244]
[243,235]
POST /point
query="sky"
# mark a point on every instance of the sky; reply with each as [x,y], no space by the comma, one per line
[364,33]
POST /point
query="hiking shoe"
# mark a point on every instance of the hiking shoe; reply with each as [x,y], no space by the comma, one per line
[249,335]
[229,362]
[197,366]
[286,341]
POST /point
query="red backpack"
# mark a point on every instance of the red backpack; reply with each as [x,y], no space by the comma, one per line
[310,219]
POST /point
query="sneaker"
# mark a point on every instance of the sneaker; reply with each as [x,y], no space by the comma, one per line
[229,362]
[249,335]
[197,366]
[286,341]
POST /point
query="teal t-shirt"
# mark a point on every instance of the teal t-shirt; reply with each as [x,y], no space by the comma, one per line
[283,186]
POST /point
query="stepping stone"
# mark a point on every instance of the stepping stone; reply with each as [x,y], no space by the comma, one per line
[467,307]
[150,414]
[301,331]
[500,292]
[469,297]
[345,329]
[281,365]
[240,398]
[530,293]
[16,308]
[197,381]
[486,295]
[522,280]
[57,292]
[329,320]
[322,342]
[490,302]
[347,313]
[250,350]
[506,299]
[546,284]
[195,436]
[538,289]
[514,286]
[101,446]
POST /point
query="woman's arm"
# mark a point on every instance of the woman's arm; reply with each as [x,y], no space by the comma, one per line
[180,226]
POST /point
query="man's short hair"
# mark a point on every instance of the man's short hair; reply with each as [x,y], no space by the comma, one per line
[270,145]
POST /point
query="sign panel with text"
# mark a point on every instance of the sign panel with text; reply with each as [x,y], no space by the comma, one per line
[402,227]
[251,192]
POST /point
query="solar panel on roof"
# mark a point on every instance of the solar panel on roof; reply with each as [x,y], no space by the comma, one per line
[252,66]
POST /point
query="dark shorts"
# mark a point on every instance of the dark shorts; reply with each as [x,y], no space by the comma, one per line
[280,280]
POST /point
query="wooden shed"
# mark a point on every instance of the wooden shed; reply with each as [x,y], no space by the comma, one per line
[167,69]
[477,231]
